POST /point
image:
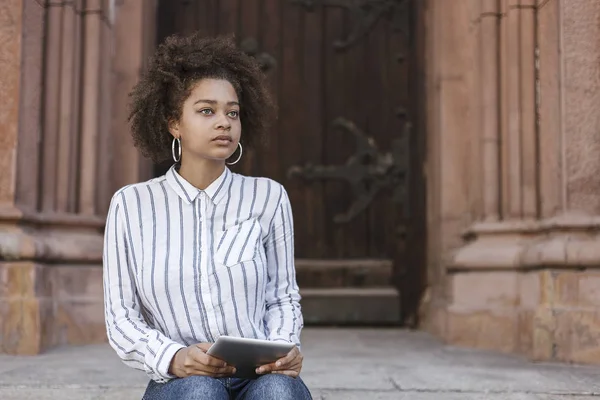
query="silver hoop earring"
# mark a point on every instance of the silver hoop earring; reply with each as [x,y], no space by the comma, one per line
[240,156]
[176,157]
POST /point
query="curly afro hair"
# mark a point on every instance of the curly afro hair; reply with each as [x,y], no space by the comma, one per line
[177,65]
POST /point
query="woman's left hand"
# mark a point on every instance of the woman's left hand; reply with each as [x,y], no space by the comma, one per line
[289,365]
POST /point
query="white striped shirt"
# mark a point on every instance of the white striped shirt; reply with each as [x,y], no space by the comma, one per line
[183,266]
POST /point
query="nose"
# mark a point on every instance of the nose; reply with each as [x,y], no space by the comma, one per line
[223,122]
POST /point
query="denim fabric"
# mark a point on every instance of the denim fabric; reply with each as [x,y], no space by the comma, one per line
[266,387]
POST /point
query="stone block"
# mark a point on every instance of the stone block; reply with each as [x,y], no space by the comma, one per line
[12,280]
[47,323]
[570,288]
[552,334]
[547,287]
[79,281]
[80,321]
[490,329]
[566,288]
[78,296]
[588,285]
[26,308]
[543,334]
[525,331]
[24,280]
[584,342]
[434,319]
[42,306]
[20,326]
[485,290]
[530,295]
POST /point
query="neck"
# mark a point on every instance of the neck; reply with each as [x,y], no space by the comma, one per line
[201,173]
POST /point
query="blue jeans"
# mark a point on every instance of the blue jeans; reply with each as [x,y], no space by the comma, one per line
[265,387]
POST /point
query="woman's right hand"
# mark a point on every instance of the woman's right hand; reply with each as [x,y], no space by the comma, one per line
[193,360]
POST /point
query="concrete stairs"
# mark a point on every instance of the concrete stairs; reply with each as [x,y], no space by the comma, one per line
[348,292]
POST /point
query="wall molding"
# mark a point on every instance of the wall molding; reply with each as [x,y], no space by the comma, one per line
[565,242]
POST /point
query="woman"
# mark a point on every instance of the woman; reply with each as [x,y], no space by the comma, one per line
[201,252]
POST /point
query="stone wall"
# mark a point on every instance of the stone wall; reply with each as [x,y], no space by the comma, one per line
[65,71]
[513,176]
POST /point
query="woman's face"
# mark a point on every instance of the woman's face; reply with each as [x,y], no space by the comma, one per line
[210,125]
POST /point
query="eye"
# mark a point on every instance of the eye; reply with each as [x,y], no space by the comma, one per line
[233,114]
[206,111]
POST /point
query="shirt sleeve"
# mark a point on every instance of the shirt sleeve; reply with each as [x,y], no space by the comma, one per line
[136,343]
[283,318]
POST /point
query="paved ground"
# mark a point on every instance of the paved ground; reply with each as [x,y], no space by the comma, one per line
[340,364]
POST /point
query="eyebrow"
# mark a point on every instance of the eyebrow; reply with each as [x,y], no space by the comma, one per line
[229,103]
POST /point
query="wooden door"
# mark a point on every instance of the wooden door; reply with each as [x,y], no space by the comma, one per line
[341,72]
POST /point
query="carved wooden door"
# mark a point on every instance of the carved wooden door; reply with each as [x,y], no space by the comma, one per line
[341,71]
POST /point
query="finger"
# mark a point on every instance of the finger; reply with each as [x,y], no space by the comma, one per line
[200,361]
[292,354]
[289,358]
[199,354]
[211,373]
[286,365]
[214,362]
[268,368]
[292,365]
[265,369]
[283,363]
[206,359]
[290,373]
[206,369]
[217,370]
[204,346]
[296,366]
[201,368]
[205,373]
[195,365]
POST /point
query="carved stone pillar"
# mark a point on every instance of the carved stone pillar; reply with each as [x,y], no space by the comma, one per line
[135,33]
[489,122]
[454,156]
[523,273]
[56,155]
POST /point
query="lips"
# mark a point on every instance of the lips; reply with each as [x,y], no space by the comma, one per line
[223,138]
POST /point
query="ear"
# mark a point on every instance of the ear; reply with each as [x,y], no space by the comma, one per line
[174,128]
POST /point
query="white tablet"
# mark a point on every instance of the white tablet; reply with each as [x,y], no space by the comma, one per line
[247,354]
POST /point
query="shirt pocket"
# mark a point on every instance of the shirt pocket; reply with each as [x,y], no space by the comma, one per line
[238,244]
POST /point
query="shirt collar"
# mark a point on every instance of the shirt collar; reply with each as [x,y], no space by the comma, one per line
[188,192]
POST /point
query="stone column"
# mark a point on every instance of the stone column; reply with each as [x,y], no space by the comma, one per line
[135,33]
[454,157]
[566,325]
[520,276]
[57,76]
[11,14]
[489,122]
[22,311]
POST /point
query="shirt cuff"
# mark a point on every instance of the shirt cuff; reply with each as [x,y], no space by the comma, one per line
[165,355]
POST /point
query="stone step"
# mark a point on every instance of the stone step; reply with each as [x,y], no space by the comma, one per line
[318,273]
[350,306]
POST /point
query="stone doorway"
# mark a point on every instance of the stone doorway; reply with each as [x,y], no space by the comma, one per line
[347,145]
